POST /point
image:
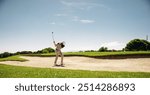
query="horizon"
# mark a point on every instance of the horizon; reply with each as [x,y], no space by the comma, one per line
[71,50]
[82,24]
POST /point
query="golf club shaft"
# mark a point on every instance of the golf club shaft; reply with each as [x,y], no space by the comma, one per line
[53,36]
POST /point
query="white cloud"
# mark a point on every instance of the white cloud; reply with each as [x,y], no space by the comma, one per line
[66,3]
[86,21]
[78,4]
[53,23]
[75,3]
[114,45]
[61,15]
[57,23]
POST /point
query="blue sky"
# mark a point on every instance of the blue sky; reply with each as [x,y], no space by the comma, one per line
[82,24]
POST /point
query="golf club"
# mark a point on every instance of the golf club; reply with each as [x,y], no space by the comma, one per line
[54,39]
[53,36]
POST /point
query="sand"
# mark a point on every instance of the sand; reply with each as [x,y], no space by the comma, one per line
[86,63]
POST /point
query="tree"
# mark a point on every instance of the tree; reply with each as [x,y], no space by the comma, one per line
[39,51]
[138,45]
[5,54]
[103,49]
[45,50]
[25,52]
[48,50]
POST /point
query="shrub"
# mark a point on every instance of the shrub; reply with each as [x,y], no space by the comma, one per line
[45,50]
[103,49]
[5,54]
[137,45]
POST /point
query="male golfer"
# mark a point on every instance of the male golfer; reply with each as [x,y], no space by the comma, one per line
[58,52]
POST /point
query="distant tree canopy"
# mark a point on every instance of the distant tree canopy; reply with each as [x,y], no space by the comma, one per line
[45,50]
[88,51]
[24,52]
[103,49]
[138,45]
[5,54]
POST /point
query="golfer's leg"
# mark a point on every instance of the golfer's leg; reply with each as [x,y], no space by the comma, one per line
[62,57]
[56,59]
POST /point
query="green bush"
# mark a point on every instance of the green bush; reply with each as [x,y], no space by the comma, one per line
[103,49]
[138,45]
[5,54]
[45,50]
[25,52]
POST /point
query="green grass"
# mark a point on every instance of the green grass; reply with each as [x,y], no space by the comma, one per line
[7,71]
[13,58]
[106,53]
[128,54]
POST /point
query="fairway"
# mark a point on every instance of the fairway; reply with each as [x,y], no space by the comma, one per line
[86,63]
[8,71]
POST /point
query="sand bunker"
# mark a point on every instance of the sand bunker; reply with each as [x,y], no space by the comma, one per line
[85,63]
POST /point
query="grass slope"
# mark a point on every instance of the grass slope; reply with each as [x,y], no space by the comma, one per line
[13,58]
[7,71]
[129,54]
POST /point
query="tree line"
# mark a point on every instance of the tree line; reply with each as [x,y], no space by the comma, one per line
[133,45]
[45,50]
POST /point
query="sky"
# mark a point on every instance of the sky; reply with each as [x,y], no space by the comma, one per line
[82,24]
